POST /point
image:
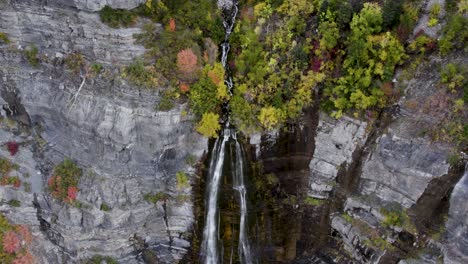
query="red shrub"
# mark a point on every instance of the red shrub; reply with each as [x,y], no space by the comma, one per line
[187,61]
[431,46]
[7,180]
[16,182]
[12,147]
[316,64]
[54,186]
[71,193]
[23,231]
[172,25]
[184,87]
[11,242]
[25,258]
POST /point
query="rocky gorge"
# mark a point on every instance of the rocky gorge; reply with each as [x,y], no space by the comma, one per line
[321,190]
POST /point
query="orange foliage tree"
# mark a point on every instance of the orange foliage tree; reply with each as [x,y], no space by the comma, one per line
[187,61]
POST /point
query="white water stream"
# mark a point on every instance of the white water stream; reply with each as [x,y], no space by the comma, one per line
[211,247]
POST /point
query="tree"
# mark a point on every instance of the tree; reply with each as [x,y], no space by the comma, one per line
[329,31]
[187,61]
[270,117]
[209,125]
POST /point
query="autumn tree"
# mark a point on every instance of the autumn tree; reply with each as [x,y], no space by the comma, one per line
[187,61]
[209,125]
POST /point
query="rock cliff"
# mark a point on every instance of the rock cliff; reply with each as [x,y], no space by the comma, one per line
[110,128]
[378,187]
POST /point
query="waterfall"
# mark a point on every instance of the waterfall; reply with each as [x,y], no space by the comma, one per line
[210,244]
[210,232]
[244,248]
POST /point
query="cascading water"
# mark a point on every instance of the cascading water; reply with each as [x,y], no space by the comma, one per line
[210,244]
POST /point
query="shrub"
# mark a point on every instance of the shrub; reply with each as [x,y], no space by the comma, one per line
[432,22]
[8,180]
[104,207]
[182,180]
[454,159]
[391,12]
[434,15]
[453,76]
[96,68]
[24,258]
[63,184]
[313,201]
[421,44]
[31,55]
[14,203]
[347,217]
[455,34]
[392,218]
[117,17]
[5,166]
[4,38]
[209,125]
[435,11]
[154,198]
[167,101]
[12,147]
[24,232]
[172,25]
[141,75]
[75,62]
[11,242]
[191,160]
[98,259]
[408,19]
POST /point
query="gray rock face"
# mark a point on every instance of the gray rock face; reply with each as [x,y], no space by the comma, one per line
[400,169]
[354,241]
[127,149]
[457,224]
[225,4]
[58,30]
[406,168]
[96,5]
[335,142]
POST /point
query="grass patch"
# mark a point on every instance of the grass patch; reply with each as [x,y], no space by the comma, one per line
[98,259]
[14,203]
[156,197]
[104,207]
[116,18]
[182,180]
[31,53]
[347,217]
[313,201]
[4,38]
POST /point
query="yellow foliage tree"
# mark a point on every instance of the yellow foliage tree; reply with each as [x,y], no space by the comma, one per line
[209,125]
